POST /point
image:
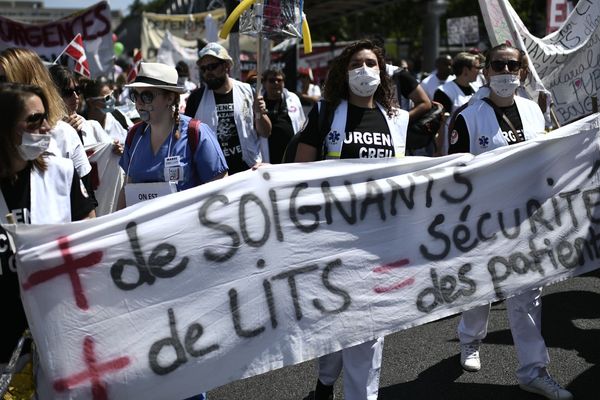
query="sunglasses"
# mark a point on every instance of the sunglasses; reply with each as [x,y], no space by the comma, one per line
[275,80]
[105,99]
[146,96]
[68,92]
[498,65]
[210,67]
[3,79]
[35,121]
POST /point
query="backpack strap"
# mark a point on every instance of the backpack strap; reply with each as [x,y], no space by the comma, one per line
[120,118]
[193,135]
[138,126]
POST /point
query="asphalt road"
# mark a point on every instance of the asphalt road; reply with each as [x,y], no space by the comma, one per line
[422,363]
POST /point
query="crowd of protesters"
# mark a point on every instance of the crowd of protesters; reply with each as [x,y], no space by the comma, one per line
[50,115]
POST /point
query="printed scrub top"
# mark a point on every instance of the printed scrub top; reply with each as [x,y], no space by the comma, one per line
[141,165]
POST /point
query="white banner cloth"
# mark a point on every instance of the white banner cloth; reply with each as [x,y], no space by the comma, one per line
[49,40]
[107,176]
[186,29]
[567,61]
[273,267]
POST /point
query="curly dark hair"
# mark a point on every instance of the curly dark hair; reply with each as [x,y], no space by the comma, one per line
[336,86]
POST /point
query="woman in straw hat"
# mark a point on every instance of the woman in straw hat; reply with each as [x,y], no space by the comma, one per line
[166,147]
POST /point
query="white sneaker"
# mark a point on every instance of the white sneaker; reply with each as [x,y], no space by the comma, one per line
[547,387]
[469,357]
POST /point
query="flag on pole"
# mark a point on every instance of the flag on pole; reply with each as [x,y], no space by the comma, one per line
[137,60]
[76,51]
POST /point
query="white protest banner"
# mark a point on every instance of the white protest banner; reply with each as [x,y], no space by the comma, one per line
[107,176]
[567,61]
[171,52]
[273,267]
[49,40]
[186,29]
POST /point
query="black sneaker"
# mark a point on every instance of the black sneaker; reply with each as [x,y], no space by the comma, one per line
[323,392]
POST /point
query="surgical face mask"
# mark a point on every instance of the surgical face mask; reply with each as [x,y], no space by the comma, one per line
[504,85]
[109,105]
[33,145]
[363,81]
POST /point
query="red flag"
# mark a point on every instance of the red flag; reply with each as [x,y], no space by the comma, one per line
[135,66]
[76,51]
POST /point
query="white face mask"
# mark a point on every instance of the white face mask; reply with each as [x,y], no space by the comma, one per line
[504,85]
[33,145]
[363,81]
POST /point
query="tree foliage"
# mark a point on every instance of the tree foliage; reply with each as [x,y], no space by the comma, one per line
[403,20]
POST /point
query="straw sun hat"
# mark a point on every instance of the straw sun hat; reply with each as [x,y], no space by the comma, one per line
[157,75]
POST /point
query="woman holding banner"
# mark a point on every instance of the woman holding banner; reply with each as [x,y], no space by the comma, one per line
[359,101]
[25,66]
[504,119]
[37,188]
[166,152]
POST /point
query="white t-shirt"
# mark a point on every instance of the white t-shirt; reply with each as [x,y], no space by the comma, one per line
[67,144]
[93,133]
[114,129]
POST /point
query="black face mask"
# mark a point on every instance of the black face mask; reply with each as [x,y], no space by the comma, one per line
[215,83]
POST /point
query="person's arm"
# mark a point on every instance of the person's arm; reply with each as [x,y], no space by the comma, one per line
[262,122]
[82,205]
[310,140]
[305,153]
[421,102]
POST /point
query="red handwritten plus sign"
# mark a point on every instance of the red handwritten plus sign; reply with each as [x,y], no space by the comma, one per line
[93,373]
[70,267]
[383,269]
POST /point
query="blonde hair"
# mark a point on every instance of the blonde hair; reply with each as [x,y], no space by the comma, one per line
[24,66]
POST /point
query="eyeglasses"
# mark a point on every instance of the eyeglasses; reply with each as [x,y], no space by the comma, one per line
[146,96]
[498,65]
[106,98]
[68,92]
[210,67]
[275,80]
[35,121]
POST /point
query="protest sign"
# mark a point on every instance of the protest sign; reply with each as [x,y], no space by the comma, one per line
[567,61]
[273,267]
[107,176]
[50,39]
[186,29]
[463,30]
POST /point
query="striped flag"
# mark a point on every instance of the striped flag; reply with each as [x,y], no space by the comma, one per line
[76,51]
[135,66]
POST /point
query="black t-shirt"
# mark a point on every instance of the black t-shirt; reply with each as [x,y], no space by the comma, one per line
[367,134]
[405,82]
[282,130]
[459,137]
[17,195]
[446,101]
[227,133]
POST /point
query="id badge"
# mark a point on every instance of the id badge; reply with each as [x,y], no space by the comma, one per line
[173,171]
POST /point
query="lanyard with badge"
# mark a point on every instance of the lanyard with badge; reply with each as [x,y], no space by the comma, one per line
[172,173]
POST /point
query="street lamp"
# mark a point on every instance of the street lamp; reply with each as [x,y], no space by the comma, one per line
[431,32]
